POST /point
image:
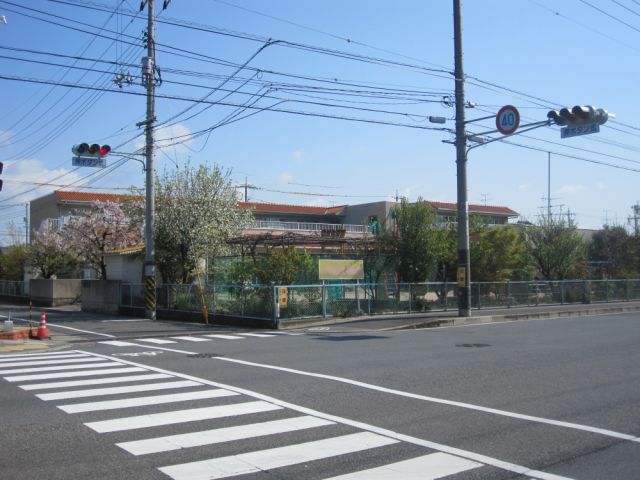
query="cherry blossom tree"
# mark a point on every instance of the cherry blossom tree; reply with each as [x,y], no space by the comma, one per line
[103,229]
[49,254]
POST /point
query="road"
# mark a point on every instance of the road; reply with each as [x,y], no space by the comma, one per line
[543,399]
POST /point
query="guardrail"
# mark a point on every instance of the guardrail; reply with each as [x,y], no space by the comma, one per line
[293,302]
[307,226]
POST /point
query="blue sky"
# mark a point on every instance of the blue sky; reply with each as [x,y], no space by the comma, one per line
[387,63]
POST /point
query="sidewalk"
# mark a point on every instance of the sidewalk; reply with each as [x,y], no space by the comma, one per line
[451,318]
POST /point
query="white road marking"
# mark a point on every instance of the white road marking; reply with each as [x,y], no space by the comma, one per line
[28,355]
[4,361]
[192,339]
[95,392]
[59,367]
[82,331]
[141,401]
[52,361]
[258,335]
[159,341]
[266,460]
[90,373]
[181,416]
[427,467]
[94,381]
[117,343]
[221,435]
[225,337]
[511,467]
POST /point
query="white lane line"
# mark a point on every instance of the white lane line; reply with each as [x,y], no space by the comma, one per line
[141,401]
[427,467]
[59,367]
[279,332]
[181,416]
[494,462]
[96,392]
[225,337]
[28,355]
[94,381]
[116,343]
[81,331]
[192,339]
[4,361]
[159,341]
[442,401]
[89,373]
[258,335]
[221,435]
[52,361]
[266,460]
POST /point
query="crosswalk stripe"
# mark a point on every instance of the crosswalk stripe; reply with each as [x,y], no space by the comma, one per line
[86,373]
[116,390]
[265,460]
[259,335]
[221,435]
[158,341]
[52,362]
[59,367]
[192,339]
[141,401]
[94,381]
[181,416]
[428,467]
[3,360]
[27,355]
[225,337]
[117,343]
[279,332]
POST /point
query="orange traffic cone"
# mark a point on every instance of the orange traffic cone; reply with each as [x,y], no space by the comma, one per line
[43,331]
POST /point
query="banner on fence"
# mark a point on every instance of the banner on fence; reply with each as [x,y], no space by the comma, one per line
[341,269]
[282,296]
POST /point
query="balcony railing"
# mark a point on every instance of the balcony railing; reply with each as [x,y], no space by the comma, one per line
[308,227]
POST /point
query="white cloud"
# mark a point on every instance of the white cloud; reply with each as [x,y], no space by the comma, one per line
[5,137]
[22,176]
[298,155]
[601,186]
[284,178]
[569,189]
[166,137]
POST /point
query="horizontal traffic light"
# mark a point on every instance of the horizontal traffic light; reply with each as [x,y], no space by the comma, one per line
[93,150]
[578,115]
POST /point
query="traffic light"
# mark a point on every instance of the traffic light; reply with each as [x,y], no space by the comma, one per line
[578,115]
[94,150]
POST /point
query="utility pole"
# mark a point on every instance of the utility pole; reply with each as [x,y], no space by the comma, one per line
[549,186]
[635,217]
[464,260]
[148,80]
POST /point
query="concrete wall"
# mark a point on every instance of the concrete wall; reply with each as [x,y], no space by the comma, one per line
[101,296]
[53,293]
[359,214]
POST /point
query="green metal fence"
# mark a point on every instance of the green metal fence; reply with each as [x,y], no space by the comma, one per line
[293,302]
[10,288]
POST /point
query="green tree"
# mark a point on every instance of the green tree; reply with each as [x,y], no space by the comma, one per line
[280,267]
[13,261]
[556,248]
[496,252]
[419,243]
[613,249]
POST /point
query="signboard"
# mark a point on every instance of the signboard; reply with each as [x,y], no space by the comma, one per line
[507,120]
[341,269]
[88,162]
[462,276]
[282,296]
[578,130]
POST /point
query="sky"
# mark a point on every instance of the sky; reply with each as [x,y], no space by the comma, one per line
[325,103]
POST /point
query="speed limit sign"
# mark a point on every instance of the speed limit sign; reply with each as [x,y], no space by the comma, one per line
[507,120]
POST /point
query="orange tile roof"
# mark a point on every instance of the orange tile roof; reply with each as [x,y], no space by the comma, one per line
[280,208]
[475,208]
[90,196]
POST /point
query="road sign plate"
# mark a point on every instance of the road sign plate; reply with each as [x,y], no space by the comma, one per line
[88,162]
[578,130]
[508,120]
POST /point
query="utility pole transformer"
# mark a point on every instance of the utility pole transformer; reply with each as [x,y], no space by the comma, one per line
[148,67]
[464,259]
